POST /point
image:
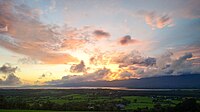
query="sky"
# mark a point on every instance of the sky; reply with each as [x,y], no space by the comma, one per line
[47,42]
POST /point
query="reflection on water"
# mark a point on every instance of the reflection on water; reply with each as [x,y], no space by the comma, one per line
[112,88]
[42,87]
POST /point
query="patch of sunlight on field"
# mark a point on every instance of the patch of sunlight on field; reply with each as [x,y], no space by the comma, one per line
[138,102]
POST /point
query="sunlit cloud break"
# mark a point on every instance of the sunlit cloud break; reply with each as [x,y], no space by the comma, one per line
[58,42]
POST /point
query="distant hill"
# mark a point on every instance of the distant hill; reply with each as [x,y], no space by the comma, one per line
[191,81]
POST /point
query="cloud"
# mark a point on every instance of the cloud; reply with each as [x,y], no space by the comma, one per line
[100,59]
[52,6]
[184,57]
[193,48]
[27,60]
[127,40]
[3,28]
[164,60]
[134,65]
[7,69]
[95,76]
[72,44]
[78,68]
[11,80]
[165,64]
[26,35]
[37,82]
[125,75]
[134,57]
[188,9]
[157,21]
[44,75]
[150,61]
[100,34]
[181,65]
[168,66]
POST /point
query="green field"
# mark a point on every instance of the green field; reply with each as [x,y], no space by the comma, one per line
[112,100]
[134,101]
[33,111]
[26,111]
[138,102]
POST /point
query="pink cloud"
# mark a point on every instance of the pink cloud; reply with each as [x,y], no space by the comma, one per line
[157,21]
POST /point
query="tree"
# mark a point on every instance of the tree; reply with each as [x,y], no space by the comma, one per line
[189,105]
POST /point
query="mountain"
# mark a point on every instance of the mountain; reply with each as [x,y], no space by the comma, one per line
[189,81]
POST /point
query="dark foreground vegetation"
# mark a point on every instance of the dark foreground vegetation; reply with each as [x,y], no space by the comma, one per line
[100,100]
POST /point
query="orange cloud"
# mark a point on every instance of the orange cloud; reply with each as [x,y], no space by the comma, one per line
[157,21]
[58,58]
[72,44]
[25,34]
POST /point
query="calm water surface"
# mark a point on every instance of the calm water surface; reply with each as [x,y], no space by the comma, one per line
[112,88]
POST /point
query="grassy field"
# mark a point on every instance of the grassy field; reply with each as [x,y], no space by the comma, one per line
[1,110]
[134,101]
[29,111]
[88,100]
[138,102]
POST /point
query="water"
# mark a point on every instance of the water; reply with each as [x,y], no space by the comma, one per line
[42,87]
[111,88]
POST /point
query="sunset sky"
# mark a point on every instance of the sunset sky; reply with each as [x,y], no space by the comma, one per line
[63,41]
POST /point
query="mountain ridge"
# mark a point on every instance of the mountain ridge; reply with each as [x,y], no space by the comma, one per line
[185,81]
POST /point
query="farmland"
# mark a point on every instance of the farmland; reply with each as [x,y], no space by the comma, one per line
[91,99]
